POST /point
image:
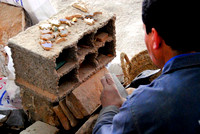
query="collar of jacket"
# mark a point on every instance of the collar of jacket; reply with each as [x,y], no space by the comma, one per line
[182,61]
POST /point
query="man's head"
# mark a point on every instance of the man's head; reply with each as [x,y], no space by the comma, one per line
[174,21]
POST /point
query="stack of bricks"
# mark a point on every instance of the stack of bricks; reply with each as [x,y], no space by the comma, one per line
[65,96]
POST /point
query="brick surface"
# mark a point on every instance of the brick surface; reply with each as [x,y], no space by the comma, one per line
[86,98]
[38,107]
[73,121]
[73,108]
[63,119]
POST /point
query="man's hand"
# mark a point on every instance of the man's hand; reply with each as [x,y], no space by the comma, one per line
[110,94]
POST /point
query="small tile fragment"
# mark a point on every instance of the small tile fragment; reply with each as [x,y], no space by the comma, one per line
[60,28]
[89,15]
[77,16]
[47,46]
[81,6]
[55,28]
[45,26]
[74,19]
[95,13]
[65,21]
[89,21]
[46,36]
[54,22]
[64,33]
[42,42]
[60,39]
[46,31]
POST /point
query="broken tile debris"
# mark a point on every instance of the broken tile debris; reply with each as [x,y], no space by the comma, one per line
[61,25]
[81,6]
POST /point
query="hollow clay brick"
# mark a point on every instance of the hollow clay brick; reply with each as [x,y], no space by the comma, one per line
[38,67]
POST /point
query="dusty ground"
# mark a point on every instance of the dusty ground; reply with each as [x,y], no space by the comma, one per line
[129,31]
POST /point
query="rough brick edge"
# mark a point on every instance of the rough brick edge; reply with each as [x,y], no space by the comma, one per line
[20,55]
[38,108]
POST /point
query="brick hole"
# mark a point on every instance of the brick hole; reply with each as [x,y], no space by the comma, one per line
[108,49]
[104,34]
[88,65]
[106,53]
[107,28]
[86,41]
[67,55]
[69,78]
[85,45]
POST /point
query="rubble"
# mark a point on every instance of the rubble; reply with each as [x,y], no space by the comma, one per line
[14,120]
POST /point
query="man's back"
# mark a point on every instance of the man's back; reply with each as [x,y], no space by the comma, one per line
[171,103]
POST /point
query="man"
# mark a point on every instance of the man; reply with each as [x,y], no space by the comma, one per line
[171,103]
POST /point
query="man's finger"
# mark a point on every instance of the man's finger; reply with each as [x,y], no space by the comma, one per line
[103,81]
[109,79]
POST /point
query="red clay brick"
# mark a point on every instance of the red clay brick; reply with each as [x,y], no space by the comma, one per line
[12,21]
[38,107]
[66,111]
[74,109]
[86,98]
[63,119]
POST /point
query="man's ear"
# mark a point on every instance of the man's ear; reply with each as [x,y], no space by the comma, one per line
[156,39]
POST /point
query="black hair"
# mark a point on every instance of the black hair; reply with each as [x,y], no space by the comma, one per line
[176,21]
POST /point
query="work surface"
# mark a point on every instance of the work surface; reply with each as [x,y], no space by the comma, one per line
[129,26]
